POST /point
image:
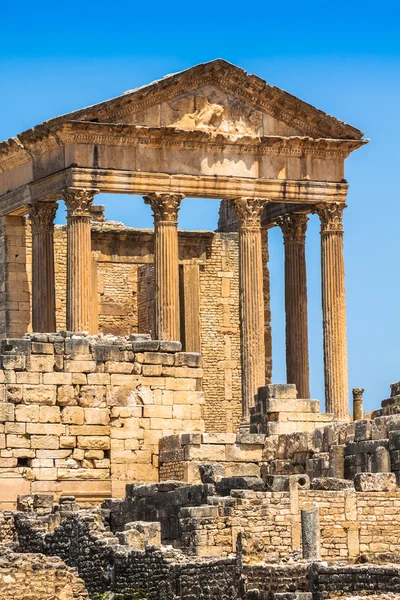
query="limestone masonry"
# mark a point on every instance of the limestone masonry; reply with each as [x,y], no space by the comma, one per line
[145,453]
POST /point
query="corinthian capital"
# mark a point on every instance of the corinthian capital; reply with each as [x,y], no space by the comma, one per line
[78,201]
[294,227]
[331,216]
[42,216]
[164,206]
[249,211]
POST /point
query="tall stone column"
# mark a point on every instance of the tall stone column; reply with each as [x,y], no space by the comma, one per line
[294,228]
[334,310]
[42,216]
[267,304]
[251,297]
[79,257]
[165,210]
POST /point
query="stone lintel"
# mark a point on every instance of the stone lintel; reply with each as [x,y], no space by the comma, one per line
[304,192]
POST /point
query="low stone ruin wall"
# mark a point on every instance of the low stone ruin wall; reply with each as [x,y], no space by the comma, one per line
[205,520]
[182,455]
[38,577]
[110,561]
[84,415]
[339,450]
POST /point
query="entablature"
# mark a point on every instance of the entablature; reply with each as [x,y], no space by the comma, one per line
[306,192]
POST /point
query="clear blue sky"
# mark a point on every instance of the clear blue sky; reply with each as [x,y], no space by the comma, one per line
[341,56]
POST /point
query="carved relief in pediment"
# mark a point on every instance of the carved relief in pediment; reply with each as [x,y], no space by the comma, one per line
[211,109]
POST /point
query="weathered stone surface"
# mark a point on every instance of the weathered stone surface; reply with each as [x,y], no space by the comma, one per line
[375,482]
[331,484]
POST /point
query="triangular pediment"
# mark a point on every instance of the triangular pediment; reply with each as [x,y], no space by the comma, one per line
[217,96]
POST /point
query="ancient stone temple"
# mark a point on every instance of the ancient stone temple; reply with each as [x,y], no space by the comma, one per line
[142,440]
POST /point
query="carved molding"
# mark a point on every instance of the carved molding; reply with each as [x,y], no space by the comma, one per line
[164,206]
[249,211]
[331,216]
[42,215]
[78,201]
[294,227]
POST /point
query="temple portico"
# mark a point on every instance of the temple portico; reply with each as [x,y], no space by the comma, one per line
[209,132]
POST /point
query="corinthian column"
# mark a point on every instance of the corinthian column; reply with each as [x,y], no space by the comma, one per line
[294,237]
[334,310]
[249,212]
[79,256]
[267,303]
[43,289]
[165,210]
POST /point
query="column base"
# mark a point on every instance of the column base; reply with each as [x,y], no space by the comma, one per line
[244,426]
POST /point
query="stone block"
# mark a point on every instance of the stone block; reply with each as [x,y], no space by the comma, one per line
[89,430]
[13,393]
[57,378]
[41,363]
[375,482]
[105,353]
[331,484]
[278,391]
[394,440]
[45,442]
[42,348]
[145,345]
[39,394]
[363,430]
[187,359]
[7,411]
[244,452]
[14,362]
[395,388]
[152,370]
[49,414]
[98,379]
[94,442]
[15,346]
[208,452]
[18,441]
[97,416]
[26,377]
[12,427]
[80,366]
[211,472]
[67,441]
[67,395]
[73,415]
[167,346]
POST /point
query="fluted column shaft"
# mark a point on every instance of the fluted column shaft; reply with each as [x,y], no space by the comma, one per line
[165,210]
[267,304]
[42,216]
[79,258]
[334,310]
[249,212]
[297,363]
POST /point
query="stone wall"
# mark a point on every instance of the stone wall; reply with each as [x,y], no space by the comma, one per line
[205,520]
[122,260]
[108,560]
[84,415]
[38,577]
[237,454]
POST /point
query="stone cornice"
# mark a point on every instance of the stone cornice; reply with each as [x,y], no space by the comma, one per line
[36,142]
